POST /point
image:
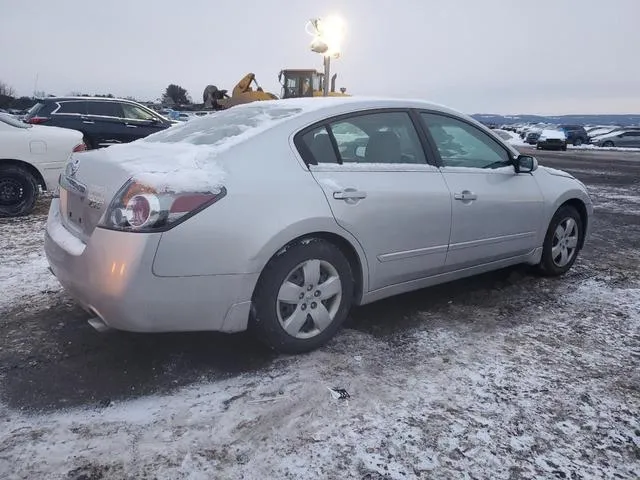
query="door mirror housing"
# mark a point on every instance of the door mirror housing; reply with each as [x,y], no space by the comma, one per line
[525,164]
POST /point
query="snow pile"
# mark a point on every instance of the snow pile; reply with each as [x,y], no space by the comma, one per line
[610,149]
[512,138]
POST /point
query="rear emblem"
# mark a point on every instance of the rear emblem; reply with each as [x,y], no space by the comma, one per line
[72,168]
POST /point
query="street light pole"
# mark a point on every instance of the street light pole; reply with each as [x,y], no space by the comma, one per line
[327,35]
[327,73]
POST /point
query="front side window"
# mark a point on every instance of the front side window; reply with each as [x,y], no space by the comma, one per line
[136,113]
[463,145]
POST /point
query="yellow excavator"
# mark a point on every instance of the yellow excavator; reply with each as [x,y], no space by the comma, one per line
[295,83]
[243,92]
[306,83]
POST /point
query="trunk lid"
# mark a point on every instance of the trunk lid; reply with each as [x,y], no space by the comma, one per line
[87,185]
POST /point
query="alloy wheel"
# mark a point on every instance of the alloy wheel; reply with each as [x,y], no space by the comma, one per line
[565,242]
[309,299]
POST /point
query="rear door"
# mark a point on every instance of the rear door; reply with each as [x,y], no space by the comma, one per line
[69,114]
[496,212]
[381,188]
[106,121]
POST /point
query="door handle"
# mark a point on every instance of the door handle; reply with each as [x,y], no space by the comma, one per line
[88,121]
[349,194]
[131,126]
[465,195]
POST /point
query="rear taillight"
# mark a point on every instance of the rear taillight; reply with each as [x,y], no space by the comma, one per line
[37,120]
[81,147]
[141,208]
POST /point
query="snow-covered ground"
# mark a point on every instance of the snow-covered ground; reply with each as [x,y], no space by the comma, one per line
[519,378]
[24,274]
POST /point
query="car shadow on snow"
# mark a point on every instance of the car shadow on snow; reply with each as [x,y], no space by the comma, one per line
[56,360]
[63,362]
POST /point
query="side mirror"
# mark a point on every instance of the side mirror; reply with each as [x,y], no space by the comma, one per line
[525,164]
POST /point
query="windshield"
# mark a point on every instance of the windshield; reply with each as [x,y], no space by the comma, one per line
[13,121]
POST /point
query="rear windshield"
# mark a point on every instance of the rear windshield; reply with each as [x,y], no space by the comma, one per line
[218,127]
[40,109]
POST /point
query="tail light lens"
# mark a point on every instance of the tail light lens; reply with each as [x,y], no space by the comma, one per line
[81,147]
[36,120]
[141,208]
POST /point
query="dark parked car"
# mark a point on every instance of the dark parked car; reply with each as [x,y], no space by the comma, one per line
[576,134]
[552,140]
[532,138]
[103,121]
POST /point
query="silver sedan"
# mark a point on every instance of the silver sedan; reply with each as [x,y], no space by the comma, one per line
[279,216]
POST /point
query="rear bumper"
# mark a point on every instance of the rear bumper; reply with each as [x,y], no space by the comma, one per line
[112,278]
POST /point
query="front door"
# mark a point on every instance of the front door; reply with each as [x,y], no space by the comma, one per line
[380,187]
[496,212]
[140,123]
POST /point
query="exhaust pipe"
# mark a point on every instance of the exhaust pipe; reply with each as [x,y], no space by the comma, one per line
[99,325]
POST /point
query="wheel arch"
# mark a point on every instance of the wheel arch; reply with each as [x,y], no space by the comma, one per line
[28,167]
[580,206]
[350,248]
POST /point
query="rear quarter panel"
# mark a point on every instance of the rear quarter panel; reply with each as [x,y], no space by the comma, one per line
[271,199]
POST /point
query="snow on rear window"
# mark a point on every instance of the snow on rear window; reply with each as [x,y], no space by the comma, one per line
[217,128]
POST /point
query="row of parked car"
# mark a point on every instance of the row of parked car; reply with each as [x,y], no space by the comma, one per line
[601,136]
[35,146]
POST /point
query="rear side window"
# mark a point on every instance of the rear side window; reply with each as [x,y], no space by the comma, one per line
[318,144]
[72,108]
[104,109]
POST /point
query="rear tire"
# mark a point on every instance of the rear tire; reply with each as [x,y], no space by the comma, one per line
[577,142]
[18,191]
[562,242]
[303,296]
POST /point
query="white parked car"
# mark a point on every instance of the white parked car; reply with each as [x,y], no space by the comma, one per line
[31,159]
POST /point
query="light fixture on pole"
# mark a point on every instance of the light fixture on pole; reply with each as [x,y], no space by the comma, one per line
[327,36]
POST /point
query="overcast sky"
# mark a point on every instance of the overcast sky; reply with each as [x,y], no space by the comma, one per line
[490,56]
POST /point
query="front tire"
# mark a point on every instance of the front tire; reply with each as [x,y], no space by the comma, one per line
[303,296]
[608,144]
[18,191]
[562,242]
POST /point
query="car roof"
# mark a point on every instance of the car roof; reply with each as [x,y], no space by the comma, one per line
[102,99]
[330,106]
